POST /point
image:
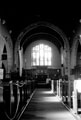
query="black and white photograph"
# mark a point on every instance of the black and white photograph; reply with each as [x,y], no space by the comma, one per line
[40,60]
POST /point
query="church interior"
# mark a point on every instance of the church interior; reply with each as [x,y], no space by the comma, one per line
[40,61]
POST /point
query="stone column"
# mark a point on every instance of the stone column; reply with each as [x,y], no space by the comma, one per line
[20,61]
[75,104]
[52,86]
[57,87]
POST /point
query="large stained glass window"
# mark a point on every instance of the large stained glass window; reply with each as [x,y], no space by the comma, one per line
[41,55]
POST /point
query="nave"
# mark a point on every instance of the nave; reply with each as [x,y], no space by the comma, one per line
[45,105]
[42,54]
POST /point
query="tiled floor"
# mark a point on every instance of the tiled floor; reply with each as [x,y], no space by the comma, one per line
[46,106]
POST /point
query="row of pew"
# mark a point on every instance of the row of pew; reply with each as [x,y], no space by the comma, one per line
[14,95]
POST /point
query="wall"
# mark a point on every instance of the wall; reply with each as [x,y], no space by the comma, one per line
[56,59]
[5,39]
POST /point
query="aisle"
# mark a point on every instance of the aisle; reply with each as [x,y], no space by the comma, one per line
[46,106]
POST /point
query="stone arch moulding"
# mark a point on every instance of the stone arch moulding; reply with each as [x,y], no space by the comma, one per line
[34,26]
[74,52]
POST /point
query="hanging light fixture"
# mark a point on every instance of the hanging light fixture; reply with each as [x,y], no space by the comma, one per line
[80,39]
[3,21]
[10,31]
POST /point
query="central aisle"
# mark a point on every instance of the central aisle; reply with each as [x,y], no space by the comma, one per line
[45,106]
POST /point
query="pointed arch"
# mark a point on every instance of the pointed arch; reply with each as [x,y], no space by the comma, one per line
[35,29]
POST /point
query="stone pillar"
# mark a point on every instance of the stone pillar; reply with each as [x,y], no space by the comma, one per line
[52,86]
[57,87]
[75,104]
[20,61]
[0,62]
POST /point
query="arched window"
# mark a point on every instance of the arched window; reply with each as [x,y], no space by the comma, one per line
[41,55]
